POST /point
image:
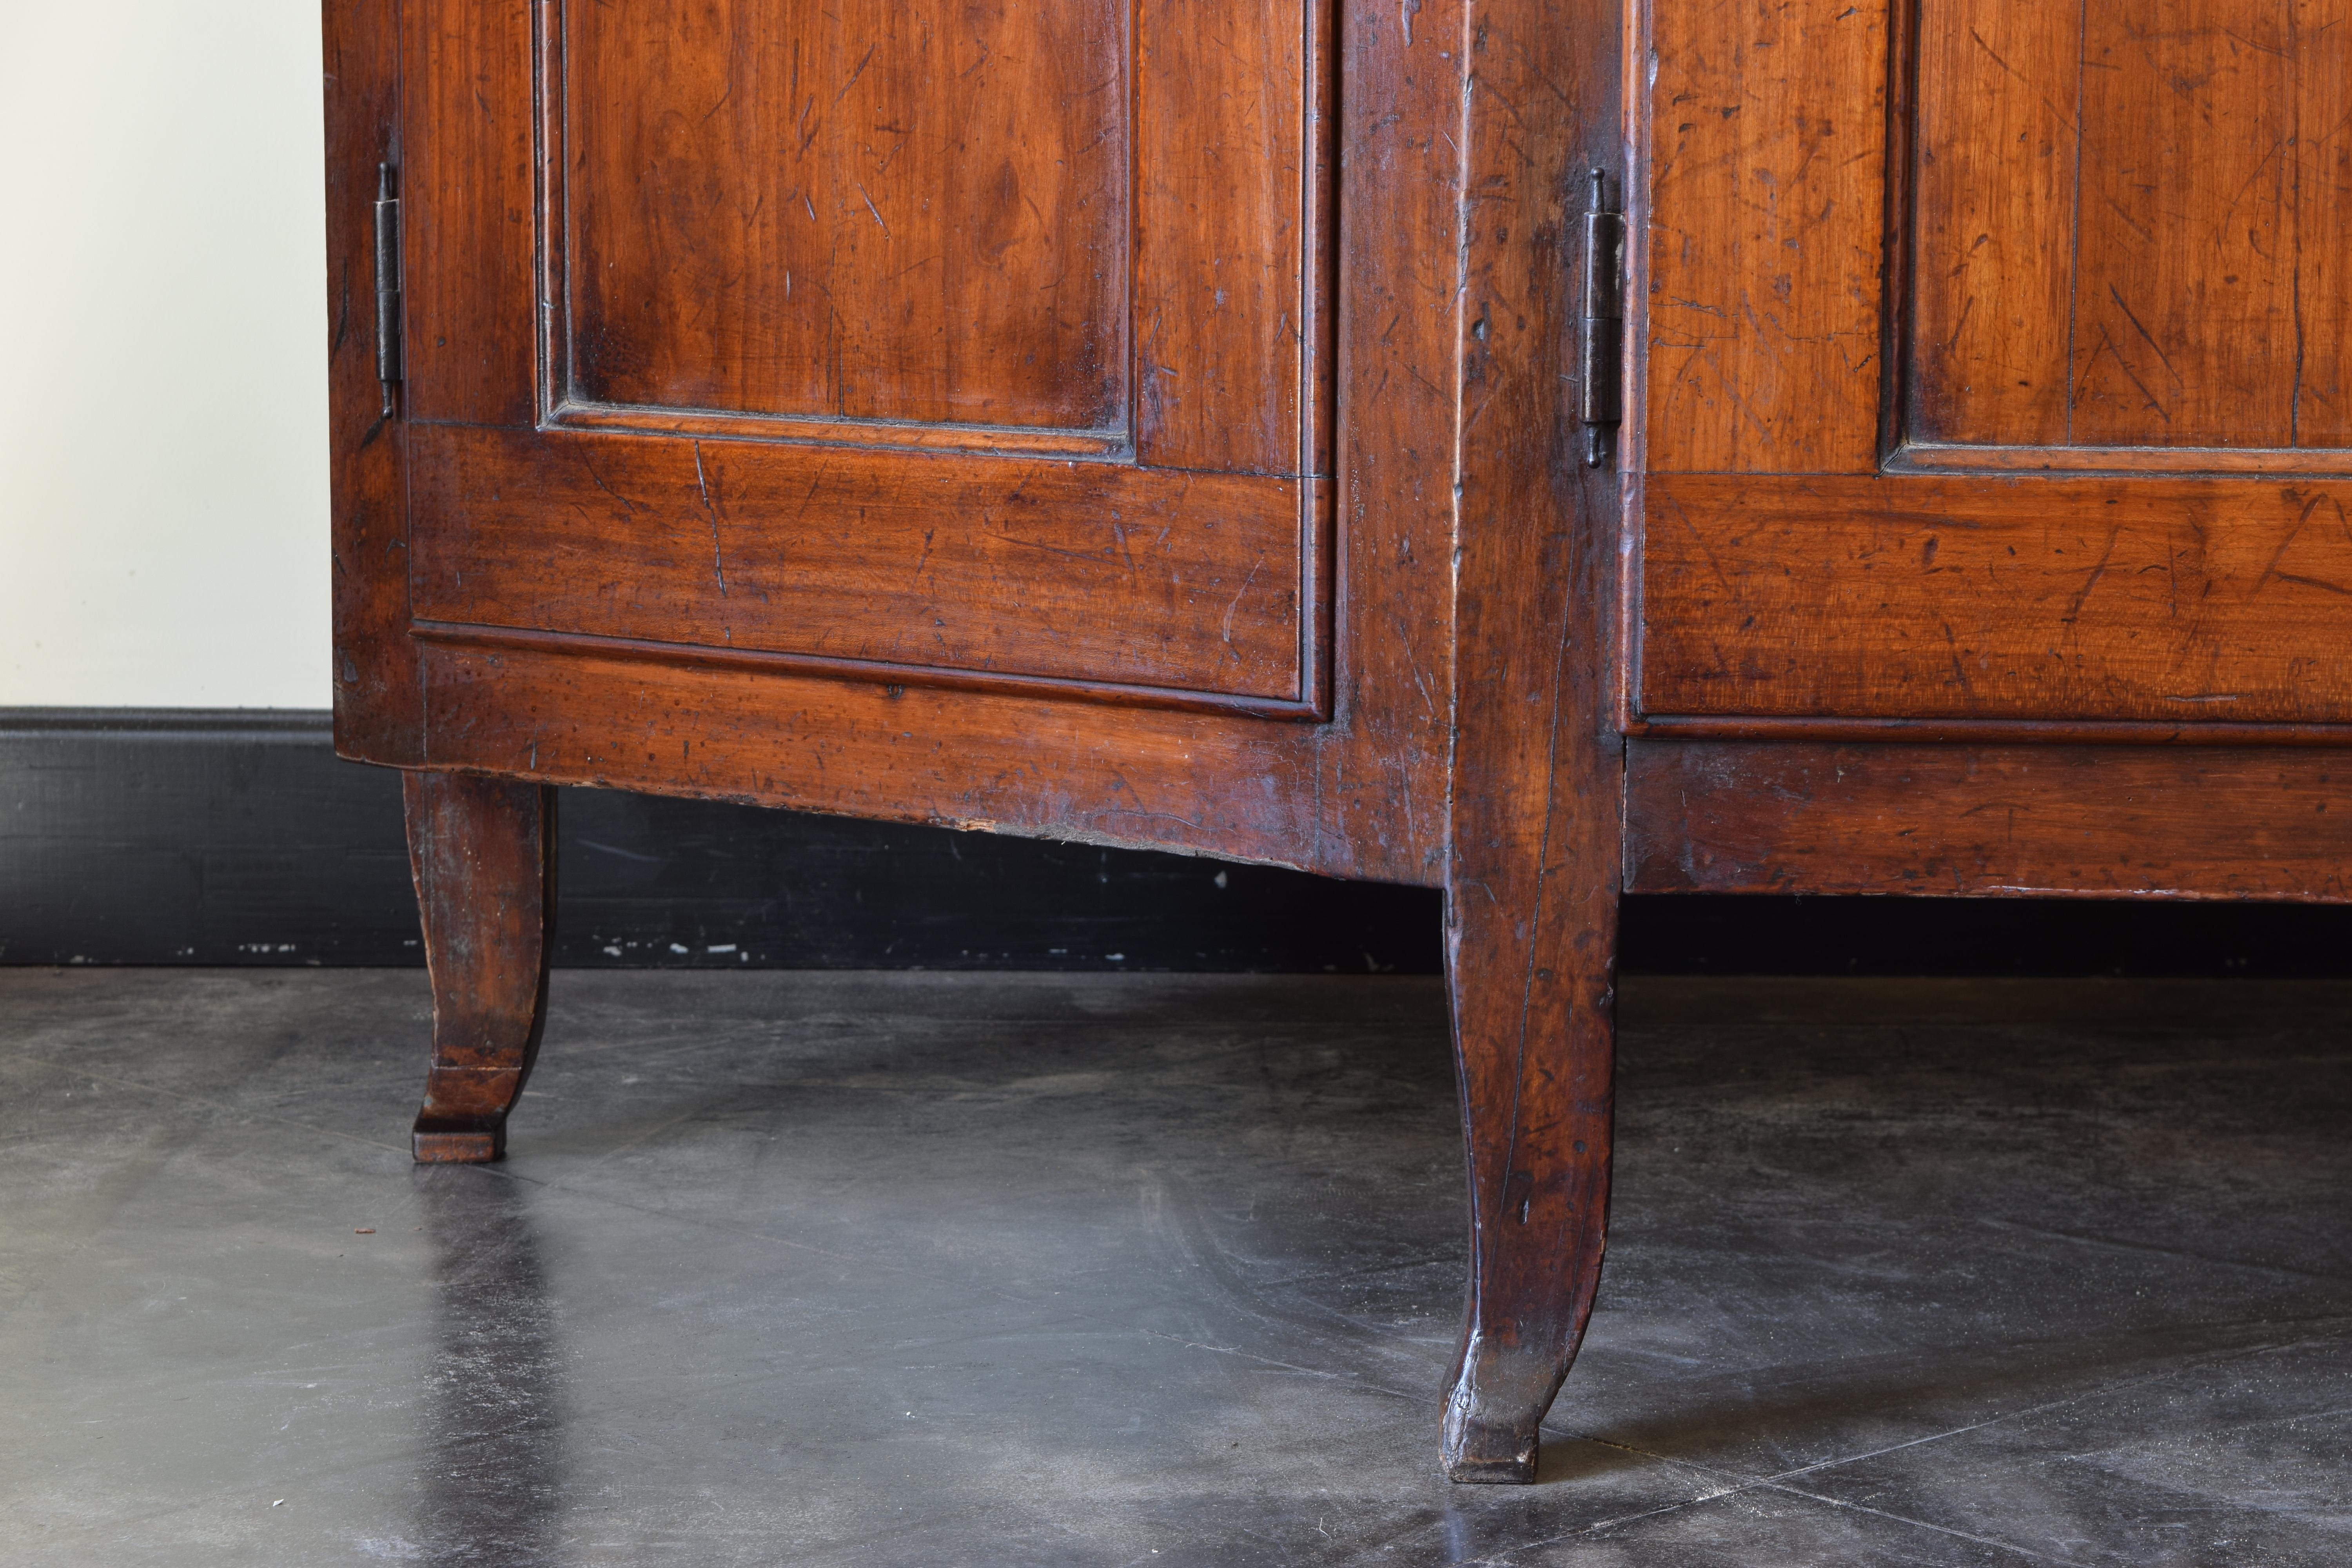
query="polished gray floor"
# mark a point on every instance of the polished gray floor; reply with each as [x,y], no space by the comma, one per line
[1045,1269]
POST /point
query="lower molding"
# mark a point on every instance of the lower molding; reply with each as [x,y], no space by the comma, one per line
[2044,821]
[237,837]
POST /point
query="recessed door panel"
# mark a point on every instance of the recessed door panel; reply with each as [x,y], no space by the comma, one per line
[868,209]
[2173,274]
[1993,362]
[990,340]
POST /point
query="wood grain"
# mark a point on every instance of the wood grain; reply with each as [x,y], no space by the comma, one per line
[2321,33]
[2129,226]
[468,206]
[1384,760]
[1090,571]
[1768,135]
[2008,821]
[891,209]
[1999,86]
[2185,301]
[1104,574]
[1532,883]
[1370,782]
[1912,597]
[1224,179]
[1921,457]
[483,854]
[379,704]
[1146,778]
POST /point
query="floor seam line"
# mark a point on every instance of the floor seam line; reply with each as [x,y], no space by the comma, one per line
[2025,1552]
[211,1104]
[1287,1367]
[2143,1249]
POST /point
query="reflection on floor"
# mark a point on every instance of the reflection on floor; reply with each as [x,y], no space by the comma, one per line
[1041,1269]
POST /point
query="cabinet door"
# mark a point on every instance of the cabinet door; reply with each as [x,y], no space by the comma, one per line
[1999,362]
[916,339]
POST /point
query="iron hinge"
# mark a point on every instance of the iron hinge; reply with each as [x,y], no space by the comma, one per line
[387,286]
[1603,361]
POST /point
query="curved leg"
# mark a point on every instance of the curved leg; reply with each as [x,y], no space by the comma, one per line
[1536,821]
[483,851]
[1535,1044]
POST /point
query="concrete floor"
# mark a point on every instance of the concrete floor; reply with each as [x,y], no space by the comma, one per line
[1043,1270]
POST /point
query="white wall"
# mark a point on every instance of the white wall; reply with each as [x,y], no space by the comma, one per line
[162,355]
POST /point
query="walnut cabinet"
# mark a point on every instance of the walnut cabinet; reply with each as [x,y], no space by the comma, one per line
[1246,427]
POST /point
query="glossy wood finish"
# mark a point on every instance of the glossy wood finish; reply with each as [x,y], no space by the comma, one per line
[1128,576]
[1363,793]
[1150,778]
[1270,538]
[1532,881]
[483,851]
[1231,183]
[469,194]
[1999,102]
[2132,225]
[1765,132]
[1182,677]
[752,318]
[2164,598]
[1991,529]
[379,702]
[2008,821]
[884,210]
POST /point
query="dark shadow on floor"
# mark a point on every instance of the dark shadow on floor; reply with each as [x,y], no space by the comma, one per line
[492,1477]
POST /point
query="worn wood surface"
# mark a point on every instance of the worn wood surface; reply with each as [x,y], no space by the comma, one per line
[1998,100]
[1949,457]
[2098,500]
[2188,307]
[2160,598]
[1363,794]
[1994,732]
[1766,136]
[1229,170]
[891,209]
[1746,817]
[1079,570]
[2323,217]
[469,199]
[1058,559]
[483,853]
[1154,778]
[1154,567]
[2131,224]
[1379,775]
[1532,881]
[379,702]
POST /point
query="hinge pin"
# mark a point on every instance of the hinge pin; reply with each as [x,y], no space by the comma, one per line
[387,286]
[1605,320]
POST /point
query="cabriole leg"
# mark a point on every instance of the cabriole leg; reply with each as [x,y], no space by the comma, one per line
[483,852]
[1534,1038]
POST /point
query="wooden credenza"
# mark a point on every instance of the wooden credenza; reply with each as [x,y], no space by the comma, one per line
[1249,428]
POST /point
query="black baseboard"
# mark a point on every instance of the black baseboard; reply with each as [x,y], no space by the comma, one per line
[237,837]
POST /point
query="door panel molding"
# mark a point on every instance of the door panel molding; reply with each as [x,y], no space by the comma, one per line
[1106,575]
[1166,547]
[1210,255]
[1941,531]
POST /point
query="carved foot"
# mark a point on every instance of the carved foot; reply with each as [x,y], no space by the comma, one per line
[1493,1414]
[483,854]
[1535,1046]
[458,1140]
